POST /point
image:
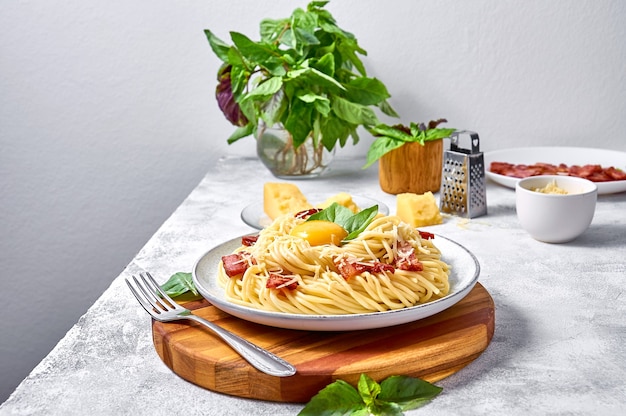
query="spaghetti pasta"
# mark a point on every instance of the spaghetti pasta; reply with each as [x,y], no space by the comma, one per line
[390,265]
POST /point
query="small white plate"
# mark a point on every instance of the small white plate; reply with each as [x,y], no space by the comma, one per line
[463,277]
[555,155]
[255,216]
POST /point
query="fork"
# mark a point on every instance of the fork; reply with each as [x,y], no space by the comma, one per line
[162,308]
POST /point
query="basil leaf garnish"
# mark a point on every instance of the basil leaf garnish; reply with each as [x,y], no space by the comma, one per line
[353,223]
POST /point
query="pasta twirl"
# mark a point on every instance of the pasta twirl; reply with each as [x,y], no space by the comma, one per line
[363,275]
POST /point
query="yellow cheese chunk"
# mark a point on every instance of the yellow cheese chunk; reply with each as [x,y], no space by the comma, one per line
[418,210]
[343,199]
[283,198]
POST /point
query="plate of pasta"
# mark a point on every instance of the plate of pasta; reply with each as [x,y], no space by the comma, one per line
[388,275]
[255,217]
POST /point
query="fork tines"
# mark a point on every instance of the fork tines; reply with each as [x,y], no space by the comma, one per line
[150,295]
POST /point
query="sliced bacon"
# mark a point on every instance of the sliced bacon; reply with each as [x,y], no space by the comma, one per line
[592,172]
[348,269]
[616,174]
[278,281]
[500,167]
[303,215]
[406,259]
[379,267]
[351,268]
[249,240]
[237,263]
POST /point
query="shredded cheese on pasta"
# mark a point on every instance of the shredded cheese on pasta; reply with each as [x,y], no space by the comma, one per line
[321,287]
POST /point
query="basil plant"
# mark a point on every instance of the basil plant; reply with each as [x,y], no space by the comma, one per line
[304,73]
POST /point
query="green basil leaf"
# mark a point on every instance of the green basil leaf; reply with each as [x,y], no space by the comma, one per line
[322,106]
[305,37]
[255,52]
[436,134]
[386,108]
[366,91]
[219,47]
[356,224]
[239,78]
[326,64]
[336,399]
[415,129]
[335,130]
[379,148]
[315,77]
[309,97]
[353,223]
[368,389]
[266,89]
[270,29]
[274,108]
[354,113]
[348,49]
[179,284]
[334,213]
[408,392]
[240,133]
[384,130]
[298,122]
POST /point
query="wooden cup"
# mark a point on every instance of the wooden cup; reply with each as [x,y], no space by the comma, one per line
[412,168]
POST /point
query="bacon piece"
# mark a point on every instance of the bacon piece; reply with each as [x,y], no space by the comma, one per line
[616,174]
[249,240]
[237,263]
[278,281]
[426,235]
[407,260]
[302,215]
[379,267]
[501,168]
[350,268]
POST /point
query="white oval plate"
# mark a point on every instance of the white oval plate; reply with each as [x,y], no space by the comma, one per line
[556,155]
[463,277]
[255,216]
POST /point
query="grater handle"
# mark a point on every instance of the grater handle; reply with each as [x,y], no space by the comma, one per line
[474,141]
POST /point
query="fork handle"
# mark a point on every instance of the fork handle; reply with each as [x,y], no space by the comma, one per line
[258,357]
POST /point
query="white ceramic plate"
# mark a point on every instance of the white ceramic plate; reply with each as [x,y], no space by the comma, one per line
[255,217]
[463,277]
[556,155]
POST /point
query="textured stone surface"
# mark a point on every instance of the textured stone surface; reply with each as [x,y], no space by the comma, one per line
[558,348]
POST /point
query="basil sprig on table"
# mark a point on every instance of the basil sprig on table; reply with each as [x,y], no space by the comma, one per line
[180,284]
[390,398]
[353,223]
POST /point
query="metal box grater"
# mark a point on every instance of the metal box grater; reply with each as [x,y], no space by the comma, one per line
[463,179]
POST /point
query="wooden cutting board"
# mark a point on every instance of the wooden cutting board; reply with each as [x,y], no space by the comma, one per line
[431,348]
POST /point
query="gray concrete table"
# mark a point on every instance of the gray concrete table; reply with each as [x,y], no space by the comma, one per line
[559,345]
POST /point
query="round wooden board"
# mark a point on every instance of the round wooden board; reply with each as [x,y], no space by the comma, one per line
[431,349]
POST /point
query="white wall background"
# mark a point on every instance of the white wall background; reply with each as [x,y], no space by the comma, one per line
[107,118]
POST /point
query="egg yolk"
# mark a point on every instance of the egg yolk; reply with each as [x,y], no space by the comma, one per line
[320,232]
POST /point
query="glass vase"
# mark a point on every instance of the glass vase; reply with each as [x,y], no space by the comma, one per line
[276,150]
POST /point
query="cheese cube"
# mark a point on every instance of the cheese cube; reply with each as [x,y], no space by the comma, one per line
[283,198]
[343,199]
[418,210]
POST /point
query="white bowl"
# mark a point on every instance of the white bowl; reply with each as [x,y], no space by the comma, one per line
[555,218]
